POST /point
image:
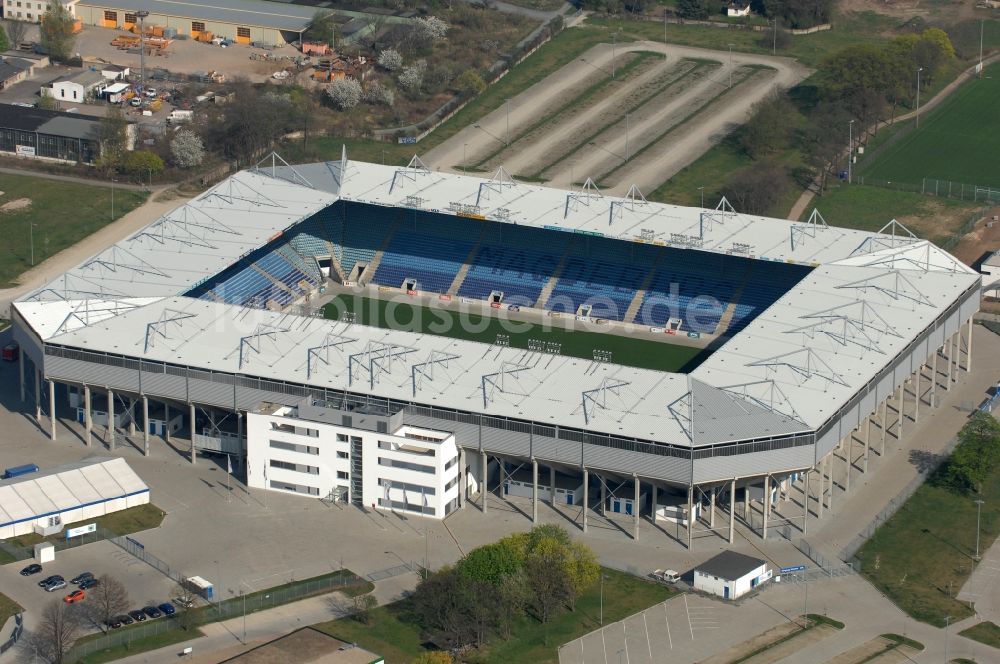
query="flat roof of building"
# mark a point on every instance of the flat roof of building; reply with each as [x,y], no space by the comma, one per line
[730,565]
[306,646]
[258,13]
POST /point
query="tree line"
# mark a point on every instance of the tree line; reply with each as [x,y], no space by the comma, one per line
[531,575]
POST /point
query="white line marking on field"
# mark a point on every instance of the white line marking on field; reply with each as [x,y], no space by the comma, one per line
[666,620]
[690,626]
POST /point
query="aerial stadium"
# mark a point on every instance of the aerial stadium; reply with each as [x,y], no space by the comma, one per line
[806,343]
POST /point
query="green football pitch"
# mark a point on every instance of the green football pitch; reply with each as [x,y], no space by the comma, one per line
[397,315]
[958,141]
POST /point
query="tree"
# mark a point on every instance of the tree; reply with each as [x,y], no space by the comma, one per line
[378,94]
[321,28]
[57,631]
[432,28]
[251,123]
[142,164]
[545,568]
[470,82]
[4,42]
[411,79]
[17,31]
[756,189]
[107,599]
[492,563]
[975,456]
[184,618]
[433,657]
[363,605]
[441,602]
[57,31]
[692,9]
[112,136]
[390,60]
[769,126]
[187,149]
[345,93]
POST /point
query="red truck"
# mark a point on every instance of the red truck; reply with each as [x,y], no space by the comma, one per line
[10,352]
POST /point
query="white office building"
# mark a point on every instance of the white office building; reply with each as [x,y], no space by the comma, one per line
[352,455]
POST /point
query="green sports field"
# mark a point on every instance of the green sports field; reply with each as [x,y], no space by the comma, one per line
[957,141]
[398,315]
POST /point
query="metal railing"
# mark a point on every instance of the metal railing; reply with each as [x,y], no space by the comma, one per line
[937,187]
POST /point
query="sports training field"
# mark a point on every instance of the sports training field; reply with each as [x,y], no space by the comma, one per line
[957,141]
[476,327]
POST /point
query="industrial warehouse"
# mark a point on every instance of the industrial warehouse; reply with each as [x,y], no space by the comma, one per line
[820,342]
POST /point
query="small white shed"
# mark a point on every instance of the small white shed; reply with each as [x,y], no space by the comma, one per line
[730,575]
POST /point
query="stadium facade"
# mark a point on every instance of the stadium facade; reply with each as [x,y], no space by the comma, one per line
[826,341]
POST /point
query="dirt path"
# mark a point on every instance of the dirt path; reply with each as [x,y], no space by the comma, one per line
[89,246]
[481,139]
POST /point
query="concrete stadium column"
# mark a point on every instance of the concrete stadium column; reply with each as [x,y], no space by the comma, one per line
[833,485]
[463,482]
[711,508]
[934,379]
[951,356]
[552,486]
[483,486]
[732,510]
[690,516]
[902,410]
[20,370]
[534,490]
[916,406]
[604,497]
[131,417]
[145,425]
[38,398]
[111,418]
[868,440]
[166,419]
[746,502]
[194,452]
[848,453]
[653,501]
[767,505]
[88,421]
[821,494]
[885,425]
[968,349]
[239,439]
[635,507]
[805,502]
[586,497]
[52,410]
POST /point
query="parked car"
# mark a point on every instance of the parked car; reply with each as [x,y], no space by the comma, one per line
[114,623]
[55,585]
[152,611]
[33,568]
[80,578]
[137,615]
[184,601]
[126,619]
[87,584]
[167,608]
[135,101]
[666,576]
[75,596]
[49,579]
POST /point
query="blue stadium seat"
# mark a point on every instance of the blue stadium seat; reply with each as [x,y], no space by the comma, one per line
[433,261]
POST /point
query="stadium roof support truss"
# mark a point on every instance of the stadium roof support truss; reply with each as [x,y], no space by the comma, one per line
[88,311]
[376,359]
[161,326]
[192,228]
[633,199]
[413,169]
[321,353]
[856,323]
[232,190]
[101,292]
[708,218]
[807,229]
[252,343]
[894,284]
[597,398]
[805,362]
[680,410]
[425,370]
[588,192]
[274,158]
[501,179]
[502,381]
[767,395]
[117,257]
[890,236]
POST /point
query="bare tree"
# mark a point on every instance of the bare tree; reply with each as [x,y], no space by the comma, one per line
[16,30]
[185,602]
[107,599]
[58,629]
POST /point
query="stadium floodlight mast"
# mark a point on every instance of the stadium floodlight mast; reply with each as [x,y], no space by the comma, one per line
[850,148]
[919,69]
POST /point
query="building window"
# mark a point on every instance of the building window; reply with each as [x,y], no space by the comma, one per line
[292,447]
[341,437]
[406,486]
[342,455]
[409,507]
[110,16]
[341,475]
[395,463]
[130,18]
[451,463]
[450,484]
[296,488]
[296,467]
[29,16]
[197,26]
[243,32]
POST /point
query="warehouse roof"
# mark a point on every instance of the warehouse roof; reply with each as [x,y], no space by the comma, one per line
[259,13]
[87,482]
[730,565]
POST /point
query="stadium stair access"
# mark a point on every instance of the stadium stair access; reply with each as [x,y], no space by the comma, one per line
[335,261]
[372,267]
[543,297]
[274,280]
[640,295]
[464,270]
[727,315]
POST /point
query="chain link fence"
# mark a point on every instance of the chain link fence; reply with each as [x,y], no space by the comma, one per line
[27,552]
[937,187]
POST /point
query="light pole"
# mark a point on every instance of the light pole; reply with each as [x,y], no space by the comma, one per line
[665,36]
[113,199]
[602,600]
[702,191]
[626,137]
[850,149]
[947,622]
[774,43]
[465,159]
[506,137]
[919,69]
[31,240]
[614,41]
[142,14]
[730,65]
[982,22]
[979,510]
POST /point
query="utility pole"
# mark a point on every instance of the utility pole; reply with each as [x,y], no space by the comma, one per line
[979,510]
[919,69]
[614,41]
[730,65]
[850,148]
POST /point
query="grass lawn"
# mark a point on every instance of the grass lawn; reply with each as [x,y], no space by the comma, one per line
[394,634]
[870,208]
[141,645]
[984,632]
[133,520]
[8,607]
[957,141]
[64,215]
[399,315]
[924,553]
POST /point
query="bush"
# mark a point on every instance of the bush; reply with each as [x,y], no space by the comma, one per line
[755,190]
[411,78]
[187,149]
[142,163]
[378,94]
[469,82]
[344,93]
[390,60]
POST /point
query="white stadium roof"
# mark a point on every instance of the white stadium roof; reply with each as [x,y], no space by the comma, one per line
[786,372]
[66,487]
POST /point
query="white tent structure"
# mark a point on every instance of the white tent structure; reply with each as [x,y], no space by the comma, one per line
[78,491]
